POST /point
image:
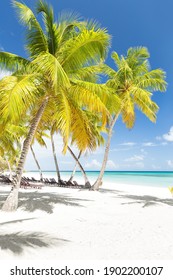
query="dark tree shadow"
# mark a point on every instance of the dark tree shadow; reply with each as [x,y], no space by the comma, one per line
[16,221]
[146,200]
[32,201]
[17,242]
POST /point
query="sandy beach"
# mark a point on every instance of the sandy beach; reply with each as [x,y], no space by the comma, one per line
[118,222]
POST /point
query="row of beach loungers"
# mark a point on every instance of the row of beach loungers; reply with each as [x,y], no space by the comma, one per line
[33,183]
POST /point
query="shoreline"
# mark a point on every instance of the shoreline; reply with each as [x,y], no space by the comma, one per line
[117,222]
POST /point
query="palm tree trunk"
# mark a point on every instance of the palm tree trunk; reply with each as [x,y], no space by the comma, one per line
[98,182]
[55,158]
[10,170]
[74,170]
[87,183]
[37,163]
[11,202]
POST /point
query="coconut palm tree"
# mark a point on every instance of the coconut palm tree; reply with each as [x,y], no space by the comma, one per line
[98,140]
[59,56]
[134,82]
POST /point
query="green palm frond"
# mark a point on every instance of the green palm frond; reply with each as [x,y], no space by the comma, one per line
[116,59]
[138,54]
[82,130]
[16,95]
[155,80]
[94,96]
[50,26]
[134,84]
[107,71]
[88,73]
[88,47]
[62,116]
[12,62]
[142,98]
[36,40]
[68,26]
[50,67]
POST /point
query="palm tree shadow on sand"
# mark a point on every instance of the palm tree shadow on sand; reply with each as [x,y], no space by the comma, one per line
[146,200]
[32,201]
[18,241]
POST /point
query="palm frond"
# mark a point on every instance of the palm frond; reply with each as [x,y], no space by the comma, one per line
[88,47]
[62,116]
[36,40]
[50,26]
[50,67]
[12,62]
[154,80]
[82,129]
[142,98]
[16,95]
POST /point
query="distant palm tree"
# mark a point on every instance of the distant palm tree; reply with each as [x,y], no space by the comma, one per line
[62,54]
[133,82]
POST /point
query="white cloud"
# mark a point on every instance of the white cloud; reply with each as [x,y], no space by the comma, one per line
[67,162]
[93,164]
[164,143]
[1,48]
[4,73]
[169,135]
[149,144]
[155,167]
[170,163]
[143,152]
[135,158]
[111,164]
[128,144]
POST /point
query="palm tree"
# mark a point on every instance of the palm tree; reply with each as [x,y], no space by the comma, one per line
[133,82]
[75,167]
[54,156]
[61,54]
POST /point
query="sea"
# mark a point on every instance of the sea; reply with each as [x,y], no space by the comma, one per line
[161,179]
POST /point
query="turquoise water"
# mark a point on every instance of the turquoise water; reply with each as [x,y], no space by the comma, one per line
[147,178]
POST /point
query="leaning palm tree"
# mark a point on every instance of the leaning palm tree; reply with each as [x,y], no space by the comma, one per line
[59,56]
[98,140]
[134,82]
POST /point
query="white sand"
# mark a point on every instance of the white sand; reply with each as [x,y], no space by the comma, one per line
[118,222]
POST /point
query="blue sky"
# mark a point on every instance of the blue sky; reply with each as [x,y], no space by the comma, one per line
[131,23]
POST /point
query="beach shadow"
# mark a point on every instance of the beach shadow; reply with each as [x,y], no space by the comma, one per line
[16,221]
[146,200]
[17,242]
[109,191]
[32,201]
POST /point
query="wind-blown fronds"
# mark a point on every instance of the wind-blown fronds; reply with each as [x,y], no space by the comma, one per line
[36,40]
[62,116]
[134,83]
[88,47]
[82,129]
[49,66]
[16,95]
[154,79]
[93,96]
[69,25]
[12,62]
[50,26]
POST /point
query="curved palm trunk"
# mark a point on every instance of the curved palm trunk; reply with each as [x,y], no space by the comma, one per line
[75,167]
[98,182]
[87,183]
[37,163]
[55,158]
[10,170]
[11,202]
